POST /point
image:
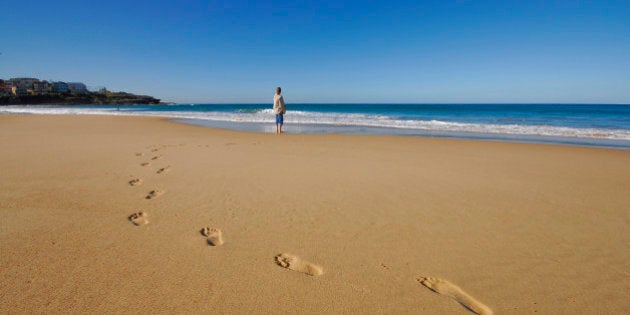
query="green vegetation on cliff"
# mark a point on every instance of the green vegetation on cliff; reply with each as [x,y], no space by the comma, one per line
[94,98]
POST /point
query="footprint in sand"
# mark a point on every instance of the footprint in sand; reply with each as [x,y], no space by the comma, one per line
[155,150]
[295,263]
[164,169]
[215,236]
[444,287]
[156,157]
[139,154]
[154,194]
[135,182]
[145,164]
[139,218]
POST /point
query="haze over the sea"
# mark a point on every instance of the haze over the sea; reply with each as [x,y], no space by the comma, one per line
[329,51]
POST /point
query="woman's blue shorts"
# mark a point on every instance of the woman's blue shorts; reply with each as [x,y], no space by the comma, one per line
[279,119]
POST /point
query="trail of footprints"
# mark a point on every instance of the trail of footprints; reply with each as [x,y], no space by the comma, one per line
[140,218]
[214,237]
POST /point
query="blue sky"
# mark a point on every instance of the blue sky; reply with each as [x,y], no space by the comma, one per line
[327,51]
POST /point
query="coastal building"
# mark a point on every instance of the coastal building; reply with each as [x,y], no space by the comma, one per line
[77,88]
[41,88]
[24,86]
[23,81]
[24,90]
[60,87]
[7,90]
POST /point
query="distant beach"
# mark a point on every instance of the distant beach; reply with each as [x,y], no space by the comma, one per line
[112,214]
[598,125]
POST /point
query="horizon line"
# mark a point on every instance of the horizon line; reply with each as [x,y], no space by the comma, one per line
[397,103]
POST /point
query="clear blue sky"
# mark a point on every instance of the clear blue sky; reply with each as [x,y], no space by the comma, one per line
[327,51]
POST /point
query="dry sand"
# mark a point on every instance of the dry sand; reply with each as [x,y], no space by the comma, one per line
[516,228]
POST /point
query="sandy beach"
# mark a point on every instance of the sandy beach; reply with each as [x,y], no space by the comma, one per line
[102,214]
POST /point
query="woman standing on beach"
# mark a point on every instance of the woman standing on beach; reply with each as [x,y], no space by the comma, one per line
[279,109]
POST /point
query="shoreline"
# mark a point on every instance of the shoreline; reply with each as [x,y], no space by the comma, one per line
[310,223]
[187,122]
[307,129]
[573,124]
[502,138]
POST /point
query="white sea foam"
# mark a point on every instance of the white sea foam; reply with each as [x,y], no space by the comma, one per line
[337,119]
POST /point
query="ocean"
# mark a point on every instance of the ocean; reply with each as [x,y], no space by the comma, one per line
[599,125]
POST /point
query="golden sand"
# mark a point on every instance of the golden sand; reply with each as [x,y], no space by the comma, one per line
[374,224]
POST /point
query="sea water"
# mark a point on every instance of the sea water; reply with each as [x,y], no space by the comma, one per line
[600,125]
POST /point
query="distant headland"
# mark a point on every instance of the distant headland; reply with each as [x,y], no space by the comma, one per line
[32,91]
